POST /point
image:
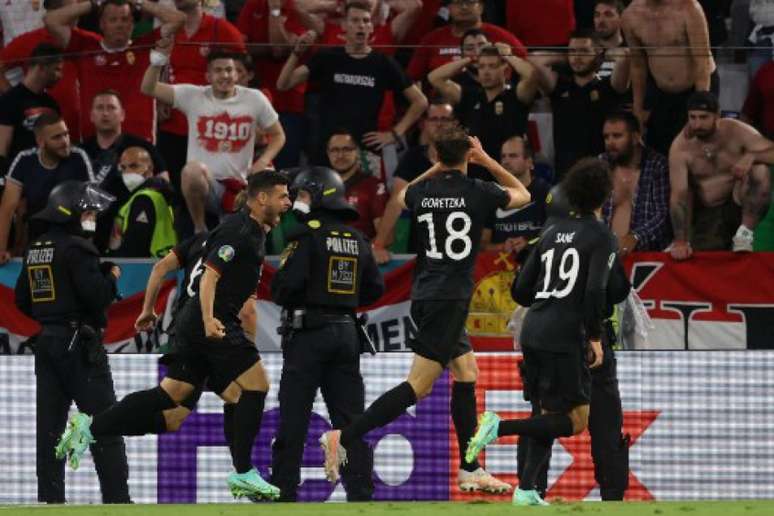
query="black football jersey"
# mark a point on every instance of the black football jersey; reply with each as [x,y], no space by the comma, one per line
[236,250]
[450,210]
[564,282]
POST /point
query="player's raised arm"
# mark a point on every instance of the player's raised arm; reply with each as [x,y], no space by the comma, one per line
[520,196]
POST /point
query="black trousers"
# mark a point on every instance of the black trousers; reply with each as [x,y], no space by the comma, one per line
[609,448]
[329,359]
[81,375]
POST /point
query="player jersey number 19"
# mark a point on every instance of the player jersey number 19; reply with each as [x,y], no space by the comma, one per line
[453,235]
[568,273]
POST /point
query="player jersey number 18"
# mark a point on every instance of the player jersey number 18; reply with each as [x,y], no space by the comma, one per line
[453,235]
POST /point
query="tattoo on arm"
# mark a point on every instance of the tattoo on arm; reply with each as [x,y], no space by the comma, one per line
[679,213]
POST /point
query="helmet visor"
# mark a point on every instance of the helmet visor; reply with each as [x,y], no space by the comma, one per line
[94,199]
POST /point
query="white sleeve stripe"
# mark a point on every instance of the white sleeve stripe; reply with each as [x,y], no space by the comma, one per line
[87,162]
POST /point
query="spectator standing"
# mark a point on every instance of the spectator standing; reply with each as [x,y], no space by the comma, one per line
[758,107]
[366,193]
[638,208]
[494,111]
[105,149]
[144,226]
[201,34]
[35,172]
[540,24]
[24,103]
[14,60]
[762,36]
[511,230]
[113,61]
[580,100]
[272,28]
[607,24]
[719,179]
[352,81]
[669,42]
[18,17]
[224,119]
[443,44]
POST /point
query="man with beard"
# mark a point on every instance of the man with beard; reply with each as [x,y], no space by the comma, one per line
[719,176]
[366,193]
[35,172]
[492,110]
[638,209]
[512,230]
[671,59]
[352,82]
[607,24]
[581,99]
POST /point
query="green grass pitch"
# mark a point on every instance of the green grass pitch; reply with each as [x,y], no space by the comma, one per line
[747,508]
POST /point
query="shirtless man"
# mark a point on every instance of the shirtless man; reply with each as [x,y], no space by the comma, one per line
[670,59]
[715,166]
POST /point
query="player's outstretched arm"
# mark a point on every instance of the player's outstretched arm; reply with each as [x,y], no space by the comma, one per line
[425,175]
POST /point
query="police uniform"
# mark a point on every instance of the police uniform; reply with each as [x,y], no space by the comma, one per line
[63,287]
[236,249]
[450,211]
[609,448]
[325,273]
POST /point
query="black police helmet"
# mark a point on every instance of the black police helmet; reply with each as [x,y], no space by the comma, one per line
[326,189]
[557,205]
[69,199]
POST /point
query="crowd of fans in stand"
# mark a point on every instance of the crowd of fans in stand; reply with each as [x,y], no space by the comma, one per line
[169,106]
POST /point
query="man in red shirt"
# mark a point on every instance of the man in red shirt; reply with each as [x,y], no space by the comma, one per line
[65,92]
[366,193]
[188,65]
[547,23]
[271,28]
[113,61]
[443,44]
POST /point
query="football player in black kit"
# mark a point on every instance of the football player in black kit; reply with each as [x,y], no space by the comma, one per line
[450,210]
[564,282]
[211,342]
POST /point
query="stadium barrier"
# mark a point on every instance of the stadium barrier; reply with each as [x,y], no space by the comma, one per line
[717,300]
[700,426]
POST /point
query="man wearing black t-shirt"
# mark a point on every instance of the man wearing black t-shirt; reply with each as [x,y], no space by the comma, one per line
[35,172]
[511,230]
[21,105]
[105,149]
[493,111]
[352,82]
[451,210]
[580,101]
[564,282]
[211,342]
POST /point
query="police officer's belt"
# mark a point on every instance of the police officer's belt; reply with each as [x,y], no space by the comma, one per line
[313,318]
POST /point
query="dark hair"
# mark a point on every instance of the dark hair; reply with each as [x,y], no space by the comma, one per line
[616,4]
[490,51]
[45,119]
[245,59]
[472,32]
[587,185]
[219,53]
[108,92]
[452,146]
[264,181]
[529,152]
[117,3]
[342,131]
[50,5]
[587,34]
[45,54]
[627,117]
[356,4]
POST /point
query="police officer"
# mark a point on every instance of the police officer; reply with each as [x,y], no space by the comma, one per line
[325,273]
[609,447]
[64,287]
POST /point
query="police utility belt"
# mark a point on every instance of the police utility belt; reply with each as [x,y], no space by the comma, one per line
[77,333]
[299,319]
